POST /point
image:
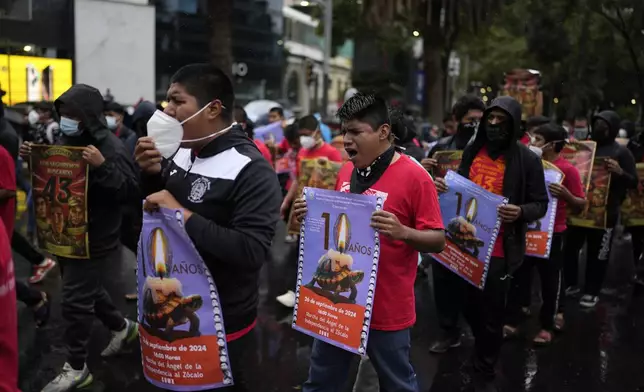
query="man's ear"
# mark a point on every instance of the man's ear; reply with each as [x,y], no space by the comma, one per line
[214,110]
[384,131]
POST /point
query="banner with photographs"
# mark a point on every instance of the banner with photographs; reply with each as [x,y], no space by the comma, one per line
[59,182]
[594,215]
[181,326]
[633,207]
[471,219]
[581,154]
[539,235]
[338,265]
[318,173]
[446,160]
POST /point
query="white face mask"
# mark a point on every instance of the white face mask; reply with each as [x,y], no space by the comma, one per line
[536,150]
[167,132]
[622,134]
[307,142]
[33,117]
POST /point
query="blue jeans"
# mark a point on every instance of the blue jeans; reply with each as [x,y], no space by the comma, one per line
[388,352]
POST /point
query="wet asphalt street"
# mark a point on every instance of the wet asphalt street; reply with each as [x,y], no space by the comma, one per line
[601,351]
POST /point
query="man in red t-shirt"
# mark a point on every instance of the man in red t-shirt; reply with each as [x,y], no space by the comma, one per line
[9,319]
[312,146]
[498,162]
[410,222]
[550,139]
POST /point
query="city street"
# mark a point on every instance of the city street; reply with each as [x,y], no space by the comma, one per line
[601,350]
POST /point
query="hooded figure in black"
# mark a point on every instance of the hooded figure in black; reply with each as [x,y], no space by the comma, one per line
[497,144]
[112,182]
[620,163]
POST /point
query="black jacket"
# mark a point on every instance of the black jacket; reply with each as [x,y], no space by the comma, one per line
[619,185]
[128,138]
[113,184]
[235,198]
[523,181]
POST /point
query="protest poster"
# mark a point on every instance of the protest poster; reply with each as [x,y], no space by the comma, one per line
[181,326]
[581,154]
[472,224]
[59,182]
[594,215]
[539,235]
[633,207]
[338,247]
[315,173]
[271,132]
[446,160]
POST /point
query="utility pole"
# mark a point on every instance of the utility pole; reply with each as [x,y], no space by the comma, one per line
[328,35]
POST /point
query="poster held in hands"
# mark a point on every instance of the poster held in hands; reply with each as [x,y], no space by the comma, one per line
[472,222]
[446,160]
[594,216]
[60,185]
[181,326]
[337,269]
[539,234]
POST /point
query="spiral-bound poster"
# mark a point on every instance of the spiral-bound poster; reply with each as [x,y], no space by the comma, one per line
[183,342]
[539,235]
[472,224]
[338,265]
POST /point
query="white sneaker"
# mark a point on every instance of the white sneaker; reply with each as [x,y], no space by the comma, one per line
[121,338]
[287,299]
[588,301]
[70,379]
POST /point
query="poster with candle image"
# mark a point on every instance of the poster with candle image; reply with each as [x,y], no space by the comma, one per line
[539,235]
[337,270]
[181,326]
[471,218]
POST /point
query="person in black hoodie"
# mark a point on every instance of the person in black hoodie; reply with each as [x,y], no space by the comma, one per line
[620,163]
[230,197]
[449,288]
[112,183]
[498,162]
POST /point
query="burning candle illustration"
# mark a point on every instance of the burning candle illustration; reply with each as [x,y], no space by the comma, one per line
[164,305]
[334,274]
[462,232]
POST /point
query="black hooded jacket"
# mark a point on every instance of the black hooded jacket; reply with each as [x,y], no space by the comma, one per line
[619,184]
[113,184]
[235,198]
[523,180]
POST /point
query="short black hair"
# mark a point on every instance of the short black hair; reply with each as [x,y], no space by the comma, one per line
[398,126]
[277,110]
[366,108]
[553,133]
[206,83]
[308,122]
[466,103]
[112,106]
[537,121]
[291,133]
[580,117]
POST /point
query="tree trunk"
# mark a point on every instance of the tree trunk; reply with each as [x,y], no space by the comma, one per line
[220,15]
[434,75]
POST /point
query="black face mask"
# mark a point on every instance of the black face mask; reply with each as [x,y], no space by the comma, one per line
[497,134]
[600,134]
[363,179]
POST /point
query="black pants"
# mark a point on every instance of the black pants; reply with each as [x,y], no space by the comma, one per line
[484,311]
[244,362]
[83,297]
[599,242]
[290,266]
[25,249]
[550,275]
[449,294]
[131,227]
[27,295]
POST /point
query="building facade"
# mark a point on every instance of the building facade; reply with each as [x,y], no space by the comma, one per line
[183,37]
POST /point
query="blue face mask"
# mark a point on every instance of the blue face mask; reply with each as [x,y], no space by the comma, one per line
[69,127]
